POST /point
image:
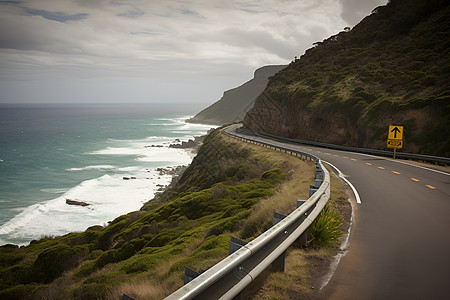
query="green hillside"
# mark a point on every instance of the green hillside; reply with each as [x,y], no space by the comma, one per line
[393,68]
[231,188]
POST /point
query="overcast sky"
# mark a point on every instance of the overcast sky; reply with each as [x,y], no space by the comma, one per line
[155,51]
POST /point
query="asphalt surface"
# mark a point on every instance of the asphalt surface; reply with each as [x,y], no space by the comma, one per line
[400,239]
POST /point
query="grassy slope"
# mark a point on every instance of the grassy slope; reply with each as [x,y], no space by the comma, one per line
[230,188]
[394,66]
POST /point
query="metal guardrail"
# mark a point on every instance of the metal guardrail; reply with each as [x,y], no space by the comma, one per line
[230,276]
[429,158]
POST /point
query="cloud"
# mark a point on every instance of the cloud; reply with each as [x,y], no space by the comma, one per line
[216,44]
[355,10]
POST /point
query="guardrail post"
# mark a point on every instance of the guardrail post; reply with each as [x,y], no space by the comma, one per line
[126,297]
[189,274]
[302,240]
[279,264]
[312,190]
[235,244]
[277,217]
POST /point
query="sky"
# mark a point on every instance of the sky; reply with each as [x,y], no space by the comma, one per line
[149,51]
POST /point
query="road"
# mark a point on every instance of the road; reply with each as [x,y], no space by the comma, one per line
[400,240]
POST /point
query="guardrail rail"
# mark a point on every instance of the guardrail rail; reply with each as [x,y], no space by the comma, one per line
[229,277]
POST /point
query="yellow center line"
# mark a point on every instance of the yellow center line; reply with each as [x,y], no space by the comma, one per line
[368,164]
[345,157]
[415,179]
[396,172]
[328,153]
[335,155]
[353,159]
[430,187]
[381,168]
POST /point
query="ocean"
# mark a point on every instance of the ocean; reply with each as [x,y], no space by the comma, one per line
[104,155]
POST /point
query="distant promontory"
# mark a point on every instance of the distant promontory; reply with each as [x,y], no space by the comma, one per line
[235,103]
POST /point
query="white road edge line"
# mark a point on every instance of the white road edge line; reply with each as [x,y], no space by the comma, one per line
[345,244]
[341,175]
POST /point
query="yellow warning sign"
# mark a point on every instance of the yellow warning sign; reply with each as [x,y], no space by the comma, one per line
[395,132]
[396,144]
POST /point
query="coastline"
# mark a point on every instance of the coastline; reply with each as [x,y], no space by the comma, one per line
[105,174]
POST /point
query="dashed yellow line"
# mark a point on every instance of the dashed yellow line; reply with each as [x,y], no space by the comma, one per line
[369,164]
[353,159]
[430,187]
[395,172]
[345,156]
[415,179]
[381,168]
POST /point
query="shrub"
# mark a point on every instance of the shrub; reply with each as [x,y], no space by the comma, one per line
[325,230]
[53,261]
[18,292]
[274,176]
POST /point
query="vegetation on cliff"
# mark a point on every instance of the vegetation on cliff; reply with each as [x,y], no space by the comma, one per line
[236,102]
[393,68]
[231,188]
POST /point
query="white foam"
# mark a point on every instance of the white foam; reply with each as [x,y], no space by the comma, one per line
[96,167]
[55,190]
[108,196]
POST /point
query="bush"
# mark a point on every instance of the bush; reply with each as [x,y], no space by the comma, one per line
[52,262]
[18,292]
[274,176]
[325,230]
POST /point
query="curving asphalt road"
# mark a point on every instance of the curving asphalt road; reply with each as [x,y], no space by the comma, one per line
[400,240]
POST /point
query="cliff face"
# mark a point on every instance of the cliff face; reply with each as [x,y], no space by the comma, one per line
[393,68]
[236,102]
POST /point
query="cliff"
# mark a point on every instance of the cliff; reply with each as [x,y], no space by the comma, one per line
[391,69]
[235,103]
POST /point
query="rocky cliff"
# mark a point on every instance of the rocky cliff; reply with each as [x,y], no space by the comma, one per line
[236,102]
[393,68]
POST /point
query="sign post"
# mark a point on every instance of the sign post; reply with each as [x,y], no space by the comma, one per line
[395,138]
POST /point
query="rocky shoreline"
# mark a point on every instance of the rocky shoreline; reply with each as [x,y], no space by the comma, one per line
[190,144]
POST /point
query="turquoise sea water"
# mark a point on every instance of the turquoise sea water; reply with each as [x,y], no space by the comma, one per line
[50,153]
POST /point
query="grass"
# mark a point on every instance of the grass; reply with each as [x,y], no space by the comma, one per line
[305,267]
[228,188]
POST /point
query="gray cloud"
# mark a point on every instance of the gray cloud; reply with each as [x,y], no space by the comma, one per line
[140,50]
[355,10]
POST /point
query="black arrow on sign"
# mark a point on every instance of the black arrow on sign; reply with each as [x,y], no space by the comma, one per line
[395,131]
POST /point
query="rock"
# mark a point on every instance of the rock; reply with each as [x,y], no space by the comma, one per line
[75,202]
[190,143]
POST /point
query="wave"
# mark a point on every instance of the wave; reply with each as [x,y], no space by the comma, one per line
[97,167]
[55,190]
[107,196]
